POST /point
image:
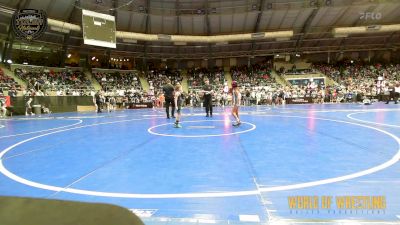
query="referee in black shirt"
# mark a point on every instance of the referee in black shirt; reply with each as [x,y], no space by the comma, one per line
[99,101]
[169,98]
[392,94]
[207,90]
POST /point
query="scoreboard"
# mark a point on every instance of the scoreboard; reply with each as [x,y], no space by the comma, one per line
[98,29]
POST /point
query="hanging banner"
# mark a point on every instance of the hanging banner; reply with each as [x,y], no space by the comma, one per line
[29,24]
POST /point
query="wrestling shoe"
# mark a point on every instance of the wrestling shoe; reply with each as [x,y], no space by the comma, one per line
[236,124]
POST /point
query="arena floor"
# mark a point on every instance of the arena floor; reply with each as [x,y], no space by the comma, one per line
[209,171]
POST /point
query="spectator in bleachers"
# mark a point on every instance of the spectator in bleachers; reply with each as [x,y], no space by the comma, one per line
[49,80]
[7,83]
[12,92]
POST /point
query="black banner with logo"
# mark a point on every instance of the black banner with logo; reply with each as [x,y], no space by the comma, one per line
[140,105]
[305,100]
[29,24]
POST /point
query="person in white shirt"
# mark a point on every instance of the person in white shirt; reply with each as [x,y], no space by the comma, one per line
[253,95]
[28,107]
[59,92]
[3,107]
[226,88]
[39,93]
[236,99]
[397,89]
[258,97]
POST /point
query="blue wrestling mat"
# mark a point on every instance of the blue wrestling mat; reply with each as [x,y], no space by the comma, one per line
[305,164]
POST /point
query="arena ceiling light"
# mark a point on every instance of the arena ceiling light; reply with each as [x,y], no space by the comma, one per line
[365,29]
[340,35]
[164,37]
[63,25]
[182,38]
[283,39]
[6,10]
[59,29]
[222,43]
[232,37]
[206,39]
[136,36]
[129,41]
[180,43]
[257,35]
